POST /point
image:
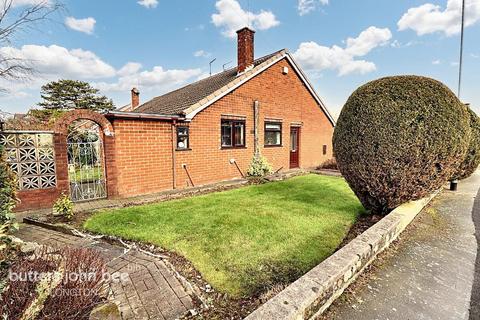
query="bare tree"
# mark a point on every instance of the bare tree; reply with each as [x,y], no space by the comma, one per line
[17,19]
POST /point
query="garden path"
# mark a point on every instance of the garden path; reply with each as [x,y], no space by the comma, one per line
[148,289]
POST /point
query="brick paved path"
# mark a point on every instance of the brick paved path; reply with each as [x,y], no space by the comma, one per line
[150,291]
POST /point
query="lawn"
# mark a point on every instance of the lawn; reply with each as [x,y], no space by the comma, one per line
[86,174]
[246,240]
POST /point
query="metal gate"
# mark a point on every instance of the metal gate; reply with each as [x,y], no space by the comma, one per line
[86,171]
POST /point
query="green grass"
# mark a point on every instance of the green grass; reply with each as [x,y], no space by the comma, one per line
[243,241]
[85,174]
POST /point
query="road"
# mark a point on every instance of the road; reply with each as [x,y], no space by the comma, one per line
[430,273]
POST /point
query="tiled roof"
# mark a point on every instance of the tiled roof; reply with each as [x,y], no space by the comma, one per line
[177,101]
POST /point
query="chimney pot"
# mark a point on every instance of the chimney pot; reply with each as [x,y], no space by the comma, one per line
[245,42]
[135,98]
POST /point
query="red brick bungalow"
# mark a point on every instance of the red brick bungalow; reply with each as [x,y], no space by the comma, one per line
[205,132]
[212,123]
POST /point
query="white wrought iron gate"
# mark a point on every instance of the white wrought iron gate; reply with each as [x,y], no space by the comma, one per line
[86,171]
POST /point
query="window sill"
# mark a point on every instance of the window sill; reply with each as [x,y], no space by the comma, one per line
[273,146]
[230,148]
[183,149]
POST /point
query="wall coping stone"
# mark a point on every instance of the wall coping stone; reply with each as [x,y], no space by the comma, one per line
[309,296]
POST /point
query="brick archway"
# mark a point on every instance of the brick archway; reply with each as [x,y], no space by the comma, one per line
[60,145]
[61,125]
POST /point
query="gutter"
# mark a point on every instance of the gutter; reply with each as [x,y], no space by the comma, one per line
[142,116]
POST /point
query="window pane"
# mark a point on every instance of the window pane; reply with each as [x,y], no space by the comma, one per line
[273,126]
[293,141]
[182,131]
[239,130]
[182,142]
[226,134]
[272,138]
[182,137]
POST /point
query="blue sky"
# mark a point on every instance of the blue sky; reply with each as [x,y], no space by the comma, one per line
[158,45]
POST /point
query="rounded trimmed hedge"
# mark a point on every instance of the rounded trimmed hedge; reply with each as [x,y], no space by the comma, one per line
[399,139]
[472,158]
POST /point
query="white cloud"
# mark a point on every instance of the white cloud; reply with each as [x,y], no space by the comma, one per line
[203,75]
[231,17]
[315,57]
[429,18]
[59,61]
[395,44]
[83,25]
[201,53]
[436,62]
[475,56]
[15,93]
[55,62]
[306,6]
[398,44]
[367,40]
[157,79]
[20,3]
[129,68]
[148,3]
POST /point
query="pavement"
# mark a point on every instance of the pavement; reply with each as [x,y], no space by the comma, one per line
[475,298]
[147,290]
[431,273]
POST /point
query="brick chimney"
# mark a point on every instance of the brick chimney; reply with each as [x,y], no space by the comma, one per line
[135,99]
[245,48]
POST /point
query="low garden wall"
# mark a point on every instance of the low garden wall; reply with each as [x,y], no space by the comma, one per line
[313,293]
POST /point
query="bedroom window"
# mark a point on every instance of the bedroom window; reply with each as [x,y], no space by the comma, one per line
[233,133]
[273,134]
[183,138]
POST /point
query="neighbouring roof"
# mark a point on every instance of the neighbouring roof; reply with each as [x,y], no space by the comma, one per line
[191,99]
[126,107]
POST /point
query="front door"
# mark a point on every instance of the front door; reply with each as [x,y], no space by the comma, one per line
[294,147]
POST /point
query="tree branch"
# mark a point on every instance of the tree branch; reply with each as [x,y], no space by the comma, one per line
[14,21]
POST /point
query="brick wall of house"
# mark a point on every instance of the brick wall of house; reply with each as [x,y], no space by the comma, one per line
[143,156]
[143,149]
[280,96]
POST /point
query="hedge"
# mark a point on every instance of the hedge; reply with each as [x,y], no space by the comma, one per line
[472,157]
[400,138]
